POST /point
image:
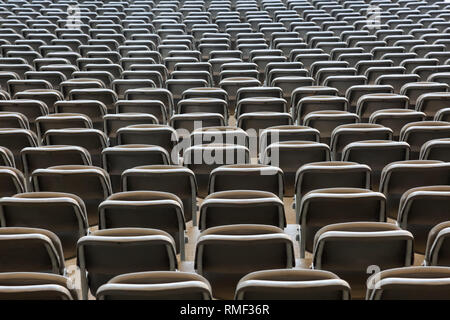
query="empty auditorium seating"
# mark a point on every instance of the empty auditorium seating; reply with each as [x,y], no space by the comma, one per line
[61,121]
[437,250]
[30,250]
[348,133]
[436,149]
[244,248]
[120,158]
[247,177]
[93,140]
[330,174]
[289,156]
[17,139]
[396,119]
[318,103]
[179,149]
[418,133]
[411,214]
[177,180]
[167,285]
[202,159]
[35,286]
[151,134]
[376,154]
[431,103]
[399,177]
[106,253]
[321,207]
[7,158]
[62,213]
[409,283]
[385,245]
[165,212]
[12,181]
[370,103]
[91,184]
[241,207]
[284,284]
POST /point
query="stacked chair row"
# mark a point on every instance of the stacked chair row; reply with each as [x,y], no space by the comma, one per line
[116,117]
